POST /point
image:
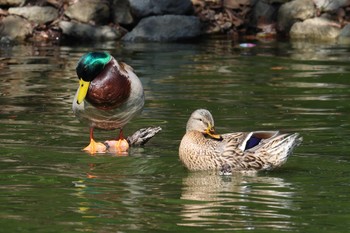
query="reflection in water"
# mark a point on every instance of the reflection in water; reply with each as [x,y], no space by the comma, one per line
[238,202]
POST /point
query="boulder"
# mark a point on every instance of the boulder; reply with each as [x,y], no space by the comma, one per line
[344,35]
[331,5]
[235,4]
[264,11]
[12,2]
[315,29]
[15,28]
[87,32]
[165,28]
[121,12]
[144,8]
[294,11]
[345,32]
[37,14]
[89,11]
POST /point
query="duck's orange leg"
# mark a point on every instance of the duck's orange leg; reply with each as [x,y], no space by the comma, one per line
[122,144]
[95,147]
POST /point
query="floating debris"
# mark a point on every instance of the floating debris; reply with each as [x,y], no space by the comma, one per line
[78,184]
[247,45]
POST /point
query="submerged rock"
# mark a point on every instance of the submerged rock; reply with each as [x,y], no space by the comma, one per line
[165,28]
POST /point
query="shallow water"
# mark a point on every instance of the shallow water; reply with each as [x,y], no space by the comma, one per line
[49,185]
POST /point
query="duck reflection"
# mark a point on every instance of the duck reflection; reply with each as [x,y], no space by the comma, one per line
[241,201]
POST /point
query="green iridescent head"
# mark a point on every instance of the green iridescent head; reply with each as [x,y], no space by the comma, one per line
[91,64]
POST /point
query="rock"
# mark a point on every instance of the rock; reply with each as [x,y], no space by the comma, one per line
[121,12]
[88,11]
[264,11]
[84,32]
[165,28]
[37,14]
[11,2]
[15,28]
[331,5]
[344,35]
[235,4]
[316,29]
[345,32]
[143,8]
[291,12]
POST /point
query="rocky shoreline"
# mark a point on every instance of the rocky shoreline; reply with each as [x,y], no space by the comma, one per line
[55,21]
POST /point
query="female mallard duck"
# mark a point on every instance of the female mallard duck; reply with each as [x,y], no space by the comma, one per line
[109,95]
[202,149]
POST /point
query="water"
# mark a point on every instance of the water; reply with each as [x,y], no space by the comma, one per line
[49,185]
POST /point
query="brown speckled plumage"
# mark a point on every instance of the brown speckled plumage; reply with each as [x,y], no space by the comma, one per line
[200,151]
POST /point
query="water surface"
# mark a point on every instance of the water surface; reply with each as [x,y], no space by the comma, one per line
[49,185]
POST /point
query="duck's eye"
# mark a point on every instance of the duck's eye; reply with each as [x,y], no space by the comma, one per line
[199,119]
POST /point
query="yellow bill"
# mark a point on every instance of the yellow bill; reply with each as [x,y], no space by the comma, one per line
[82,91]
[211,132]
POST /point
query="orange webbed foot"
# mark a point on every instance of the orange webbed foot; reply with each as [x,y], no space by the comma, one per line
[95,147]
[120,146]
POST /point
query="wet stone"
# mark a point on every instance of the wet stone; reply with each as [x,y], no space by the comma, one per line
[156,28]
[36,14]
[15,28]
[85,32]
[89,11]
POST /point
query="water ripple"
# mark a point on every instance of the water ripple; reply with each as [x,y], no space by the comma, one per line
[237,203]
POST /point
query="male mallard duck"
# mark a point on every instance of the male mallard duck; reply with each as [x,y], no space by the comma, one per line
[202,149]
[109,95]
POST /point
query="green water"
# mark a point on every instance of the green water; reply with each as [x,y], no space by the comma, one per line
[49,185]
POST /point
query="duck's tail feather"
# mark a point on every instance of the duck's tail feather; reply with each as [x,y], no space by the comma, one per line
[280,147]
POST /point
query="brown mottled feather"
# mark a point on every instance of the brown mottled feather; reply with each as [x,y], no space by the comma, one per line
[197,151]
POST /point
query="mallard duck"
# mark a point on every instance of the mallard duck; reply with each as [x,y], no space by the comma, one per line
[203,149]
[109,96]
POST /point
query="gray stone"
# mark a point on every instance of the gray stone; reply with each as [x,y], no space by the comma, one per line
[291,12]
[165,28]
[143,8]
[331,5]
[265,11]
[15,28]
[36,14]
[11,2]
[345,32]
[344,36]
[88,11]
[235,4]
[121,12]
[85,32]
[315,29]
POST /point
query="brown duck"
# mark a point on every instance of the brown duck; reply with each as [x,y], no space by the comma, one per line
[202,149]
